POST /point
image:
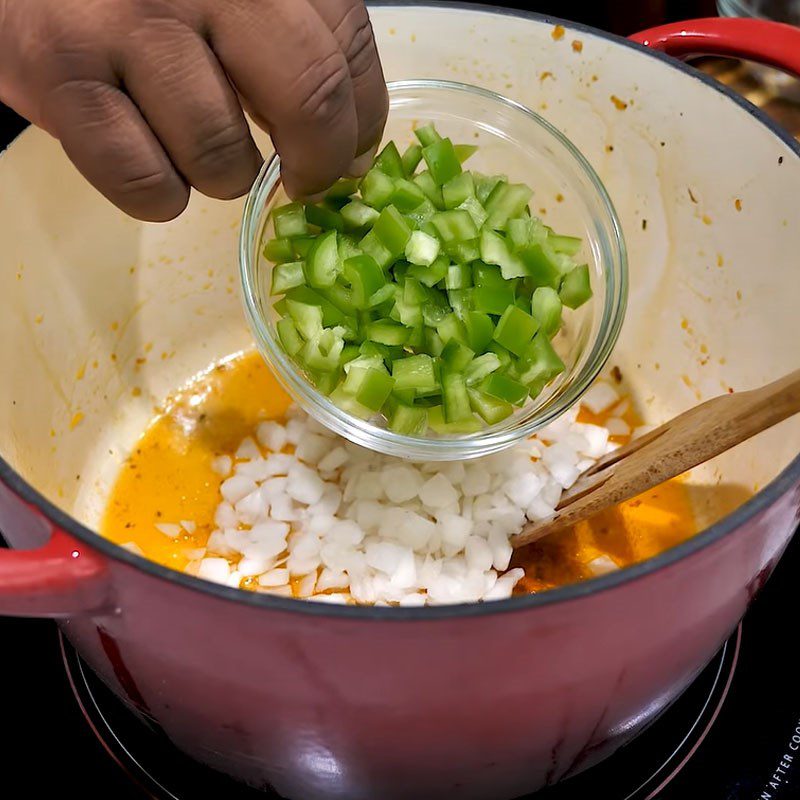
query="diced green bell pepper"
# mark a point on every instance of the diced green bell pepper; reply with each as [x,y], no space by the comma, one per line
[279,251]
[515,330]
[287,276]
[290,221]
[490,409]
[323,265]
[504,388]
[546,307]
[576,288]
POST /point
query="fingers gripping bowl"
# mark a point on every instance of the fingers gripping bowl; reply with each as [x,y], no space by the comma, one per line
[511,140]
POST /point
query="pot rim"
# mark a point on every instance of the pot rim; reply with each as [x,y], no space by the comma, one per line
[786,480]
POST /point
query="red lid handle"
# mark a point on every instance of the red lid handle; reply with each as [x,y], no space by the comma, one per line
[771,43]
[61,579]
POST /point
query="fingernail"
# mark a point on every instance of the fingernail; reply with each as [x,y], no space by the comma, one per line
[362,163]
[315,198]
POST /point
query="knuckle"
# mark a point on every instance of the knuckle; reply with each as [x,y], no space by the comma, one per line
[324,89]
[153,196]
[223,162]
[357,41]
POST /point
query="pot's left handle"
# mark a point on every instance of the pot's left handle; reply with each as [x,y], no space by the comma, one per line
[770,43]
[63,578]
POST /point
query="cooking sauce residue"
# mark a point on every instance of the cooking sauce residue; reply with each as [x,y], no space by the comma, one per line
[169,477]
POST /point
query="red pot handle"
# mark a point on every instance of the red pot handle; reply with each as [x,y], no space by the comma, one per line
[61,579]
[771,43]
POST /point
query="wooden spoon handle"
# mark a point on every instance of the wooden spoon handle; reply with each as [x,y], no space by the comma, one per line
[689,439]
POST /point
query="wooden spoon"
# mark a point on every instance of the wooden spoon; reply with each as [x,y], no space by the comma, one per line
[668,451]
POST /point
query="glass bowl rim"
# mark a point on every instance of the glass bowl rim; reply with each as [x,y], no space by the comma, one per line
[484,442]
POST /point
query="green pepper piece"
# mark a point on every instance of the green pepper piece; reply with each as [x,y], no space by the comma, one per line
[480,330]
[431,275]
[457,190]
[524,231]
[325,381]
[494,250]
[492,299]
[323,263]
[323,351]
[433,342]
[427,135]
[480,367]
[302,246]
[386,294]
[357,215]
[455,226]
[348,247]
[324,218]
[465,151]
[370,386]
[290,221]
[570,245]
[365,278]
[507,200]
[459,276]
[377,189]
[349,404]
[408,420]
[487,275]
[490,409]
[407,195]
[392,231]
[455,400]
[576,287]
[287,276]
[289,336]
[389,162]
[540,363]
[429,188]
[414,372]
[475,210]
[443,164]
[485,185]
[437,423]
[411,159]
[342,189]
[451,327]
[501,353]
[456,356]
[385,331]
[542,266]
[460,301]
[422,249]
[279,307]
[504,388]
[303,294]
[372,245]
[279,251]
[422,214]
[307,318]
[546,307]
[464,252]
[515,330]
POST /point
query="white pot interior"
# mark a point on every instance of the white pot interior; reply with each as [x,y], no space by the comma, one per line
[104,317]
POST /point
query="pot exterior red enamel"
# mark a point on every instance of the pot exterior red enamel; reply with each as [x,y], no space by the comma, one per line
[484,706]
[478,702]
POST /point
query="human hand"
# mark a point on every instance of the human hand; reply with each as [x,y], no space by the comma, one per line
[146,96]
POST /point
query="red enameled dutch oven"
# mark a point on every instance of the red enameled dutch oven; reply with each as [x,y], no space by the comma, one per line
[485,701]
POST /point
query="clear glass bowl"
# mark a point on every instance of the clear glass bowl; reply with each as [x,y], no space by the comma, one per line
[514,141]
